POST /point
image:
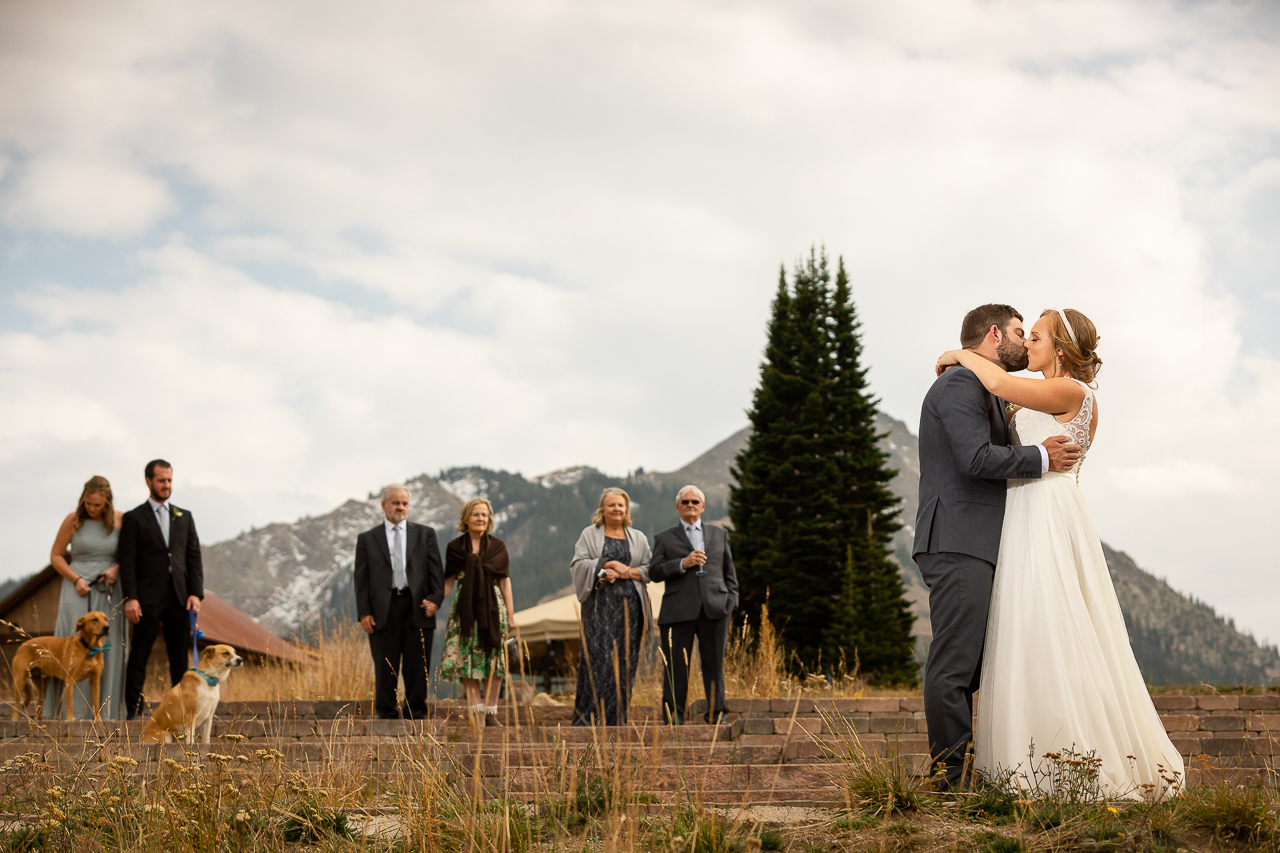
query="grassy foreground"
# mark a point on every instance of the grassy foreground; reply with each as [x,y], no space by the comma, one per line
[232,798]
[214,801]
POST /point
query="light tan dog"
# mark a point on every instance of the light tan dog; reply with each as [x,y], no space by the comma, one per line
[192,702]
[71,659]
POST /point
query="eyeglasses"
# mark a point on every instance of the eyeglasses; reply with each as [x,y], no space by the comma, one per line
[689,503]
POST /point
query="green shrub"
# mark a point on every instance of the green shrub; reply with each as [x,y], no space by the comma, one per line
[699,831]
[1236,812]
[309,823]
[994,803]
[994,842]
[884,786]
[1046,816]
[770,840]
[856,822]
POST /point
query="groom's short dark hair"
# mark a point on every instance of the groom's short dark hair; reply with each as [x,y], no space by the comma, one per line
[153,465]
[980,319]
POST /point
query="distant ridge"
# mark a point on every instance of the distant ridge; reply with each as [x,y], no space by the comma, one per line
[289,575]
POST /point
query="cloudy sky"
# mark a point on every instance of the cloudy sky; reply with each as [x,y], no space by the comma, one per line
[302,248]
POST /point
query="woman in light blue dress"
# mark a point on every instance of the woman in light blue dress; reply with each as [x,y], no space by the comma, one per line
[91,581]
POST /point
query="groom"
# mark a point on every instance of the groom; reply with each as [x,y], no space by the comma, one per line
[965,459]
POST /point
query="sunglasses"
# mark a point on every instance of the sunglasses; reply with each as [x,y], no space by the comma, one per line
[689,503]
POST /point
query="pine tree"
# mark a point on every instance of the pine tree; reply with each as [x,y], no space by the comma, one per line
[882,639]
[811,510]
[784,505]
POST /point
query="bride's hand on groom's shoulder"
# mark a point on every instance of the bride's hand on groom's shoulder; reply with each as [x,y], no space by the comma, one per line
[947,359]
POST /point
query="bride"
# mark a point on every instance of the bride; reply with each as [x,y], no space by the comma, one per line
[1058,674]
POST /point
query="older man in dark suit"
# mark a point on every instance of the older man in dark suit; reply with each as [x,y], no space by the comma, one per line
[162,575]
[965,458]
[700,596]
[399,584]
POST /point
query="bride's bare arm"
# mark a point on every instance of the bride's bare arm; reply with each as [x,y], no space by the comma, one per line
[1054,396]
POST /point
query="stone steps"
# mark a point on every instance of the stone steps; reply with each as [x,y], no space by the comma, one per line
[778,751]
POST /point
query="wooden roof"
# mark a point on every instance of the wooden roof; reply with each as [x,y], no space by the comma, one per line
[33,607]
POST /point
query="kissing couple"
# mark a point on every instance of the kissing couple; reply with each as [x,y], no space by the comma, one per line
[1020,598]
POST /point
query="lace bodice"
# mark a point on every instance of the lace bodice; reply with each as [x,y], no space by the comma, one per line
[1031,427]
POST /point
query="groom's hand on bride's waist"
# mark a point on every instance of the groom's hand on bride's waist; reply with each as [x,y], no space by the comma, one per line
[1062,454]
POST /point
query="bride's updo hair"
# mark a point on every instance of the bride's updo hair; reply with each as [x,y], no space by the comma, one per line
[1079,359]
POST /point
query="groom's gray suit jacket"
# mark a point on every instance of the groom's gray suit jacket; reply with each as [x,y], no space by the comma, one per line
[965,459]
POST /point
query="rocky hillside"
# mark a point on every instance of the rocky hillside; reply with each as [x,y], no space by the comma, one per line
[288,575]
[1179,640]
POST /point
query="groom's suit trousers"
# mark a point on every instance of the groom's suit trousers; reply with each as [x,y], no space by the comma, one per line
[959,598]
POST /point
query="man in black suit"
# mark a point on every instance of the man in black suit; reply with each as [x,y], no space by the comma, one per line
[163,578]
[399,587]
[701,594]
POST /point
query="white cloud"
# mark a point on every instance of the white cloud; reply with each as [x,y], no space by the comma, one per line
[1176,481]
[85,199]
[559,202]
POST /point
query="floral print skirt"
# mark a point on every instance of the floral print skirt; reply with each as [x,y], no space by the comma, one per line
[464,657]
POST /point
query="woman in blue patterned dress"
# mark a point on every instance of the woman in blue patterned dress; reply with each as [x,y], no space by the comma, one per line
[610,569]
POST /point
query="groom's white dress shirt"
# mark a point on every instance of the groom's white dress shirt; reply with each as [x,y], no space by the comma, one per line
[161,510]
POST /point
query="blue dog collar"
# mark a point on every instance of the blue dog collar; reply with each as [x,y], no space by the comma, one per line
[208,679]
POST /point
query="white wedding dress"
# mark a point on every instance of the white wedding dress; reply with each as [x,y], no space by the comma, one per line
[1058,670]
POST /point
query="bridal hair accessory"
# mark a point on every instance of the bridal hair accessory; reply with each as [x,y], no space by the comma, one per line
[1067,324]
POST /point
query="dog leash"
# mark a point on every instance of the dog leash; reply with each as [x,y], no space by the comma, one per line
[196,635]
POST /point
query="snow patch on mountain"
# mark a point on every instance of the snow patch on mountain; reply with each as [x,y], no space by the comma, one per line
[563,477]
[467,487]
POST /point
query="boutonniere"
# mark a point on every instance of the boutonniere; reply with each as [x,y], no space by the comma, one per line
[1008,408]
[177,513]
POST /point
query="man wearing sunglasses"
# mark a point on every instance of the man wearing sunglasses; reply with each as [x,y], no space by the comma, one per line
[695,562]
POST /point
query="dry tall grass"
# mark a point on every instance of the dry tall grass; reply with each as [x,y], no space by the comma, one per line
[342,669]
[432,794]
[424,795]
[755,667]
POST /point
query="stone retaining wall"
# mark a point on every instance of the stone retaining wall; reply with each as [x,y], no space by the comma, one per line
[1228,731]
[1218,730]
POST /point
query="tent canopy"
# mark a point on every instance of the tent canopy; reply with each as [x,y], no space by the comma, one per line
[558,619]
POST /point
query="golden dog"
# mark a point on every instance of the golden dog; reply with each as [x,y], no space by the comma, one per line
[191,703]
[71,659]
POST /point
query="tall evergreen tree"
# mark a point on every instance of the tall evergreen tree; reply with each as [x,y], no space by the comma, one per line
[811,510]
[869,510]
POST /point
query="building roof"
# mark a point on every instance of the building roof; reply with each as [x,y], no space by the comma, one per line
[220,622]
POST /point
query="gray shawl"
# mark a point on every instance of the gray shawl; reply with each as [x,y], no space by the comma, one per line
[586,554]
